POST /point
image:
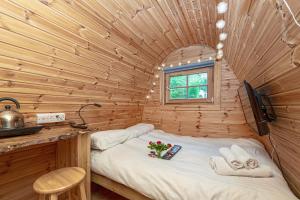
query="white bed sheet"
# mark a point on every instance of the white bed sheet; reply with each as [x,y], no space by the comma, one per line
[188,175]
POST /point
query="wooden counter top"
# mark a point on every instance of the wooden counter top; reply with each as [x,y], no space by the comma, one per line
[44,136]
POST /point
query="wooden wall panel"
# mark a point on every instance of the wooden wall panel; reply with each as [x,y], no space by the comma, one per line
[224,120]
[56,56]
[267,55]
[19,169]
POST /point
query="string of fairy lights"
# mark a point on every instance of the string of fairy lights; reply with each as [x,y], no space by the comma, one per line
[222,8]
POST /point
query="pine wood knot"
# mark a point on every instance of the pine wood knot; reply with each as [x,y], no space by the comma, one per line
[107,37]
[35,106]
[69,1]
[76,52]
[10,74]
[46,2]
[116,51]
[81,87]
[3,25]
[297,64]
[137,11]
[27,14]
[10,84]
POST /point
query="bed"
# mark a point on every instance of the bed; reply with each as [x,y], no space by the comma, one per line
[187,176]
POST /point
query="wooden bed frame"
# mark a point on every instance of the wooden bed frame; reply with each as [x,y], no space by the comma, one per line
[117,187]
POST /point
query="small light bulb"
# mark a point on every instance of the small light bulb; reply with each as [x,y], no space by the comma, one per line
[151,91]
[159,68]
[219,57]
[222,7]
[163,65]
[222,36]
[220,45]
[220,24]
[156,76]
[220,52]
[210,58]
[179,63]
[171,65]
[148,96]
[153,83]
[199,60]
[188,61]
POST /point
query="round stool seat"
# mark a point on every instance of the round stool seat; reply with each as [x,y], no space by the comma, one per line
[59,180]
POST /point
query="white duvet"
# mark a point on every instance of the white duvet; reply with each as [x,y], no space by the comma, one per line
[187,176]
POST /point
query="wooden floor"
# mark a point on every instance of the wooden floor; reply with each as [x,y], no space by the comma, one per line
[100,193]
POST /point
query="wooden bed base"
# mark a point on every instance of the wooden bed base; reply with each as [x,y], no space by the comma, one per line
[117,187]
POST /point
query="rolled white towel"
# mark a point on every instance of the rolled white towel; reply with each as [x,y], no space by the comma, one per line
[231,159]
[249,161]
[220,166]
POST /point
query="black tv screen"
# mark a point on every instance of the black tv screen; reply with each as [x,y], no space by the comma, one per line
[253,109]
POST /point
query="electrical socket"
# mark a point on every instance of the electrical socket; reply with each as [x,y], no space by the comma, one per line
[43,118]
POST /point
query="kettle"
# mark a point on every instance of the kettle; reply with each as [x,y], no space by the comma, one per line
[9,118]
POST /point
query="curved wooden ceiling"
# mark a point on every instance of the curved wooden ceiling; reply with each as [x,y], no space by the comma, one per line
[261,39]
[158,27]
[154,28]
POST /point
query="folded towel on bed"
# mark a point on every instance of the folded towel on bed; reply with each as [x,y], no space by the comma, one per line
[220,166]
[249,161]
[231,159]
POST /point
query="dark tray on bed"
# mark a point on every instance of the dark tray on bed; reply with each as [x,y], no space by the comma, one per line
[19,131]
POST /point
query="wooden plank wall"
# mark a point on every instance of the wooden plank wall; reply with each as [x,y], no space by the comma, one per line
[263,48]
[225,120]
[19,169]
[56,56]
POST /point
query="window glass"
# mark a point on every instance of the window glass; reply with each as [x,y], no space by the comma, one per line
[194,92]
[195,85]
[203,92]
[177,81]
[197,79]
[178,93]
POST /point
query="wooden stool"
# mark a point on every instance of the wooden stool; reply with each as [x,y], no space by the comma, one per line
[59,181]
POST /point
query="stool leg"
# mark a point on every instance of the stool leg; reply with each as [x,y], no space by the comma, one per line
[42,197]
[53,197]
[82,191]
[69,195]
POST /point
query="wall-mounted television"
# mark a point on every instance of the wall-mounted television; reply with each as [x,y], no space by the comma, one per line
[257,109]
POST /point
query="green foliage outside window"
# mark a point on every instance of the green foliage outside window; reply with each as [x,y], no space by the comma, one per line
[192,86]
[177,81]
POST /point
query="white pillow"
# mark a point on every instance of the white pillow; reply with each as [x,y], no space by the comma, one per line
[106,139]
[140,129]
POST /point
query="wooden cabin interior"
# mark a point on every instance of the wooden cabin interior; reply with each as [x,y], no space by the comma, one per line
[93,91]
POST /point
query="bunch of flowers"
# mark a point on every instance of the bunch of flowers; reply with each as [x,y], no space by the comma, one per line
[159,147]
